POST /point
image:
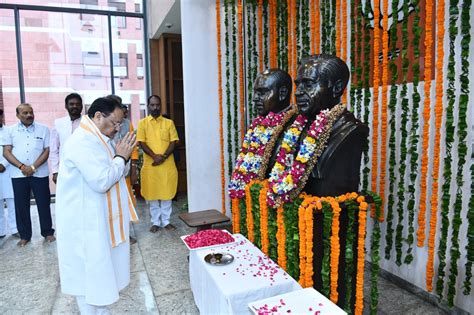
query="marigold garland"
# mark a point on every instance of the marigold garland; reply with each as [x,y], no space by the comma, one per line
[262,198]
[344,40]
[426,125]
[359,301]
[281,238]
[309,246]
[221,113]
[248,206]
[235,215]
[375,118]
[437,143]
[383,127]
[338,28]
[273,37]
[302,236]
[335,247]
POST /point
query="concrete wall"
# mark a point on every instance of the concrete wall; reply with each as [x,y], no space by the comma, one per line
[157,11]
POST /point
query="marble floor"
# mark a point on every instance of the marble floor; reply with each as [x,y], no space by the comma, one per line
[159,276]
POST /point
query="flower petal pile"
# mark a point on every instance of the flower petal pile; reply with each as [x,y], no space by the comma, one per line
[208,238]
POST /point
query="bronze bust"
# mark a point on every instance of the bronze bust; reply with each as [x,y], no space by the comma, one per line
[272,91]
[320,83]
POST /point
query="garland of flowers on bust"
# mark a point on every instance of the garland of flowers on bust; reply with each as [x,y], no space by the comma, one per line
[258,141]
[289,174]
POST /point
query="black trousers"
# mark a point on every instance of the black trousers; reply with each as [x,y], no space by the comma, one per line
[22,188]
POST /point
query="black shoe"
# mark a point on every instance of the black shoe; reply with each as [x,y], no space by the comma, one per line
[2,236]
[17,235]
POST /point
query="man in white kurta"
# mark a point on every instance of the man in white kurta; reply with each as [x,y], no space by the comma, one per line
[93,209]
[63,128]
[6,192]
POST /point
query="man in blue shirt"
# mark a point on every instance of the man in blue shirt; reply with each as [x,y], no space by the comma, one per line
[26,147]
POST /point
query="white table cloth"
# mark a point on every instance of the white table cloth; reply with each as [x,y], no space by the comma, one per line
[229,289]
[306,301]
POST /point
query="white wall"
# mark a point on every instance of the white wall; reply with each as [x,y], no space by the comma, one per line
[157,11]
[201,104]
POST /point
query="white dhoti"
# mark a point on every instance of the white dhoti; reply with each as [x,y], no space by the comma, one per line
[93,211]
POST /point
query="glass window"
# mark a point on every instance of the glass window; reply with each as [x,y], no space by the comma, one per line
[127,47]
[67,53]
[109,5]
[9,83]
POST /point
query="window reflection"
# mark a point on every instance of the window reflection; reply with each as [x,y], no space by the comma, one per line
[9,82]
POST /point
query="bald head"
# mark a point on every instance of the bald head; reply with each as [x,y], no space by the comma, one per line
[272,91]
[24,112]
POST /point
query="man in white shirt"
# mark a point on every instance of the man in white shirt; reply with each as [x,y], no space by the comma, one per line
[26,147]
[6,192]
[63,128]
[94,209]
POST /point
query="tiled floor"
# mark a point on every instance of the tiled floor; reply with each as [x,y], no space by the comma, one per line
[159,280]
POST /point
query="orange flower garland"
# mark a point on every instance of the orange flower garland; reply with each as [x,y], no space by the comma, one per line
[309,245]
[317,22]
[235,215]
[344,41]
[359,301]
[302,236]
[241,69]
[426,126]
[262,199]
[375,118]
[260,35]
[338,28]
[383,150]
[273,36]
[290,38]
[438,116]
[281,238]
[335,249]
[312,26]
[221,114]
[248,206]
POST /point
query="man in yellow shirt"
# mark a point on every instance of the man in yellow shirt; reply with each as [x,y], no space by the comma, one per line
[157,137]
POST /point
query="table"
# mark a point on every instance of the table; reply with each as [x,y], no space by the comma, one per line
[228,289]
[203,220]
[306,301]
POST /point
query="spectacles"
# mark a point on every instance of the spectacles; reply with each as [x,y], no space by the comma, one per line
[116,124]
